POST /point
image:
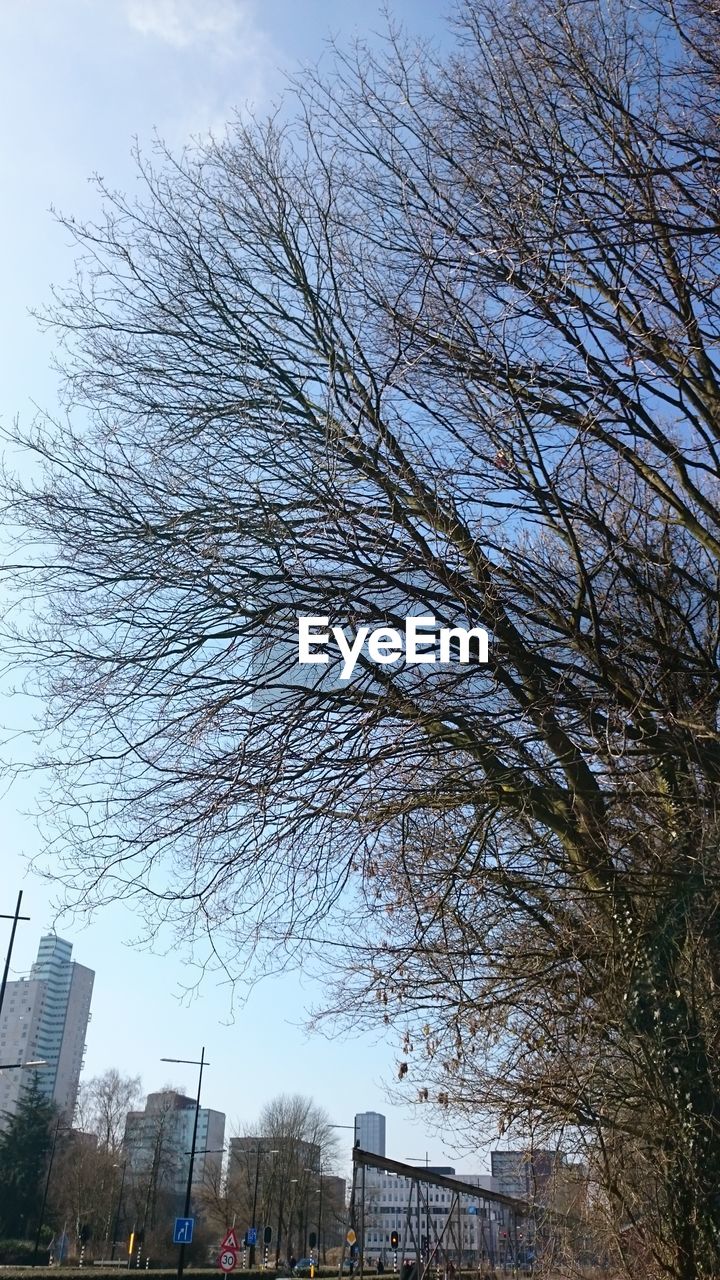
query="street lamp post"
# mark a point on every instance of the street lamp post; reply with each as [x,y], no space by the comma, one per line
[280,1216]
[254,1207]
[116,1224]
[41,1219]
[260,1152]
[353,1126]
[190,1062]
[321,1252]
[22,1066]
[291,1210]
[356,1143]
[15,917]
[306,1219]
[319,1194]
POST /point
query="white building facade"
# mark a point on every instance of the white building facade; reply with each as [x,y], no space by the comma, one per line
[438,1219]
[45,1018]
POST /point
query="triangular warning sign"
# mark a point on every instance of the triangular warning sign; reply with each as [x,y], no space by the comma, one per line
[230,1241]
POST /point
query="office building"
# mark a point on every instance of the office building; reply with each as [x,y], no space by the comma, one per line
[526,1175]
[370,1132]
[390,1204]
[243,1152]
[281,1182]
[45,1017]
[471,1226]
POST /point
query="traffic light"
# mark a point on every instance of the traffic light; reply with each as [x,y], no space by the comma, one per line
[394,1239]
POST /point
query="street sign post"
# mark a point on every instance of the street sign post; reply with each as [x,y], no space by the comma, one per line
[252,1235]
[351,1237]
[227,1261]
[183,1232]
[230,1241]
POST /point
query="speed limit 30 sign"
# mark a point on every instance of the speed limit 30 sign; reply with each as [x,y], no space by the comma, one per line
[227,1260]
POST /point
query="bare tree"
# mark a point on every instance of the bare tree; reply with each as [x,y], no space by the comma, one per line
[152,1145]
[305,1145]
[83,1191]
[274,1173]
[103,1104]
[445,344]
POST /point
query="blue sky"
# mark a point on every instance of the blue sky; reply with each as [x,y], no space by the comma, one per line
[79,80]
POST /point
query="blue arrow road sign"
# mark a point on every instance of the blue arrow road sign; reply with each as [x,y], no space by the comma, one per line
[183,1232]
[252,1235]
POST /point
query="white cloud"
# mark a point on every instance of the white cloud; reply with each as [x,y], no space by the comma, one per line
[183,23]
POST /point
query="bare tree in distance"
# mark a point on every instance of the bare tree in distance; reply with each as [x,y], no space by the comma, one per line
[103,1104]
[445,343]
[83,1191]
[272,1178]
[305,1145]
[156,1164]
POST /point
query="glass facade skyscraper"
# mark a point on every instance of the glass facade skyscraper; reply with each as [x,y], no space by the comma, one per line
[370,1131]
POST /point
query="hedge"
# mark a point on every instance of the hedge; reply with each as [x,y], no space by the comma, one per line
[193,1272]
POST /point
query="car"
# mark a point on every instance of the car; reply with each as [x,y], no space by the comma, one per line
[302,1268]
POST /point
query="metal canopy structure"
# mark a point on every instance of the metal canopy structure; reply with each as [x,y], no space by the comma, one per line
[433,1240]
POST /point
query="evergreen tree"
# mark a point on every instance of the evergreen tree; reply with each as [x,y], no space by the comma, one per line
[24,1149]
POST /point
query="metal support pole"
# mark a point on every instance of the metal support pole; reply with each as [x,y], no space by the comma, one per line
[253,1226]
[280,1224]
[351,1214]
[321,1252]
[116,1224]
[188,1189]
[15,917]
[362,1222]
[418,1234]
[45,1192]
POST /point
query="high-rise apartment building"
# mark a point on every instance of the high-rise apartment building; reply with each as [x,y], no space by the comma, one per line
[157,1146]
[45,1017]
